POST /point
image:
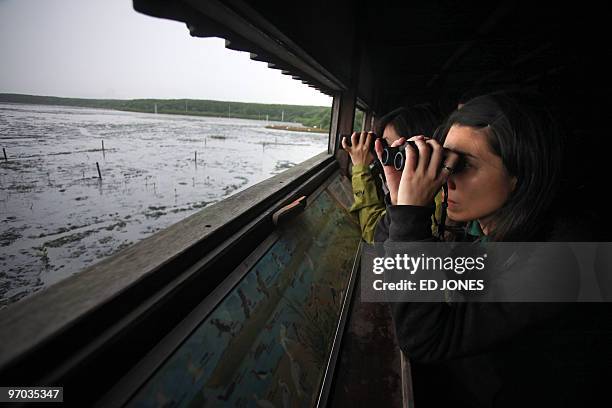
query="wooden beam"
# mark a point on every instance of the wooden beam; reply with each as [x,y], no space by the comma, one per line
[245,22]
[346,116]
[333,126]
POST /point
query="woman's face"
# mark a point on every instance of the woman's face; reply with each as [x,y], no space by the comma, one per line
[484,185]
[389,134]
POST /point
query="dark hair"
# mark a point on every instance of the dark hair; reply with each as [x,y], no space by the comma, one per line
[523,133]
[410,121]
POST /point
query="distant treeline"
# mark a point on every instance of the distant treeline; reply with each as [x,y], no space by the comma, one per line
[310,116]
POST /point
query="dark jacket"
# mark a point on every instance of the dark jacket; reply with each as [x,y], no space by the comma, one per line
[499,354]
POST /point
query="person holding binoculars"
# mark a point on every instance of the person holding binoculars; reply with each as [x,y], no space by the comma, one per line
[367,174]
[500,157]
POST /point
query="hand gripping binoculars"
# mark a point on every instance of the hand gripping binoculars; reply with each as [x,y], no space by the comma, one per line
[396,156]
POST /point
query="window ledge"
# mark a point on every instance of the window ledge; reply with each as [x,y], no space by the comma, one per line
[30,322]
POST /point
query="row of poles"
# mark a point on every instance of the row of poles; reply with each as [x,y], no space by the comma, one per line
[103,153]
[97,164]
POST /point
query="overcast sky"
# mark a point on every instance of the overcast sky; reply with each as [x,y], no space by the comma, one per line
[105,49]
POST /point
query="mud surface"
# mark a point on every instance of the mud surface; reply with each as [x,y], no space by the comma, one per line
[57,216]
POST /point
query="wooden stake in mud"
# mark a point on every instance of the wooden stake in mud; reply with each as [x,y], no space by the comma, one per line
[4,151]
[103,146]
[196,159]
[99,174]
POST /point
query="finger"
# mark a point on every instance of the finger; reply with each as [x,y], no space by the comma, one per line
[362,138]
[435,162]
[412,159]
[368,140]
[417,137]
[378,148]
[424,156]
[399,142]
[354,139]
[345,146]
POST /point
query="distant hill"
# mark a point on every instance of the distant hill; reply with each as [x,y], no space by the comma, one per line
[310,116]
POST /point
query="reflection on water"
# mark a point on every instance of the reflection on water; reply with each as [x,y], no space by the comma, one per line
[267,343]
[58,216]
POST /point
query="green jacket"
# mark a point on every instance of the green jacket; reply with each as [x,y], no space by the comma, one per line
[369,203]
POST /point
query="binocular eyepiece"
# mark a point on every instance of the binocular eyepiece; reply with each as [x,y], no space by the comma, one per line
[396,156]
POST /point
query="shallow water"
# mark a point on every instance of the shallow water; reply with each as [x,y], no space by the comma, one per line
[57,216]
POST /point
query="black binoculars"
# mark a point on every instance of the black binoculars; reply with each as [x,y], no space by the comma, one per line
[396,156]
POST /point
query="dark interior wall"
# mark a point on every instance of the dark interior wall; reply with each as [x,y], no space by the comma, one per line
[448,48]
[414,46]
[435,51]
[366,86]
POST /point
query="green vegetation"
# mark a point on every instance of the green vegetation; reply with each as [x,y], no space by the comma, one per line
[310,116]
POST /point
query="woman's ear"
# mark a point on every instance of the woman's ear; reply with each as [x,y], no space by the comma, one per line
[513,182]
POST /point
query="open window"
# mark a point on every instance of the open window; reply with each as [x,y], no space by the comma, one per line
[135,308]
[86,178]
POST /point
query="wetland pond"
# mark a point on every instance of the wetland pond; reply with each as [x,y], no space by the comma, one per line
[58,217]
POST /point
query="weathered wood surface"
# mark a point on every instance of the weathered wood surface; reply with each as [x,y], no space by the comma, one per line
[30,321]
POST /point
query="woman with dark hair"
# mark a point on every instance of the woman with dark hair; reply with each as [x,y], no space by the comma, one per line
[368,185]
[500,156]
[408,121]
[510,153]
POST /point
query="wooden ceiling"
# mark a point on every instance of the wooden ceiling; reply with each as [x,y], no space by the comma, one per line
[408,52]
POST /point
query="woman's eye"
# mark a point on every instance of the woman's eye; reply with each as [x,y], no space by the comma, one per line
[462,165]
